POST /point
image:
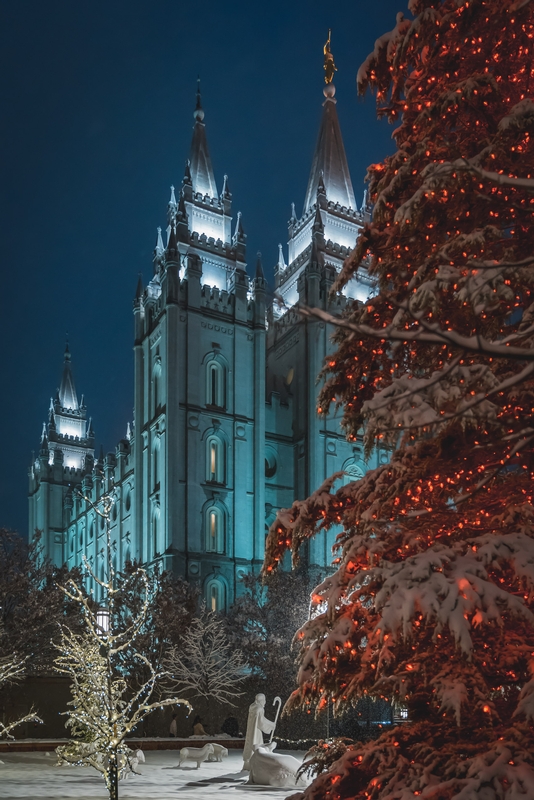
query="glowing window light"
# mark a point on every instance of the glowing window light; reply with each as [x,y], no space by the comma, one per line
[214,598]
[213,460]
[213,529]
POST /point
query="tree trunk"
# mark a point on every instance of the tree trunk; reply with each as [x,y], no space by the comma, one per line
[112,777]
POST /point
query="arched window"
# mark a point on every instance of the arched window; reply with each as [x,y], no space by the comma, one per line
[215,466]
[156,464]
[215,383]
[214,529]
[215,595]
[270,463]
[156,386]
[155,533]
[128,499]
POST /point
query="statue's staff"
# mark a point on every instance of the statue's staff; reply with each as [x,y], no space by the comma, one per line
[279,701]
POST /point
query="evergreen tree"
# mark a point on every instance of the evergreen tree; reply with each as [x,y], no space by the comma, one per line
[31,603]
[432,599]
[262,623]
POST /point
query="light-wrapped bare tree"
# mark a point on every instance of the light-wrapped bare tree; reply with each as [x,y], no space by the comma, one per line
[104,711]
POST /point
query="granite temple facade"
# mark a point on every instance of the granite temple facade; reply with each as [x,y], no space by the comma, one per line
[225,426]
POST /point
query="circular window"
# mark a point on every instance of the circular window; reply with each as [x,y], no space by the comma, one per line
[270,465]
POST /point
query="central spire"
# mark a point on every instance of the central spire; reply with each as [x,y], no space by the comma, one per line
[67,392]
[329,160]
[200,162]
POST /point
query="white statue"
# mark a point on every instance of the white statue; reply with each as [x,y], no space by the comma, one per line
[219,752]
[274,769]
[198,754]
[257,725]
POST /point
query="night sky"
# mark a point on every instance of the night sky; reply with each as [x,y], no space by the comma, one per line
[97,101]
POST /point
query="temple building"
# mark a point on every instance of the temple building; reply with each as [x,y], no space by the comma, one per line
[225,427]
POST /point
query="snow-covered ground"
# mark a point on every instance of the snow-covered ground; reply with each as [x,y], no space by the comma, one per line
[32,775]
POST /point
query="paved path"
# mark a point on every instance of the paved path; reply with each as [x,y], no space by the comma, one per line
[25,776]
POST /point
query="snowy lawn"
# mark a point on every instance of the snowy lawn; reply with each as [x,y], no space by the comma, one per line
[32,775]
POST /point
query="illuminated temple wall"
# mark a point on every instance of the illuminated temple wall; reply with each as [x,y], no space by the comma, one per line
[225,430]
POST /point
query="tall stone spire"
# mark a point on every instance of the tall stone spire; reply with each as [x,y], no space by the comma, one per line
[200,162]
[329,159]
[67,392]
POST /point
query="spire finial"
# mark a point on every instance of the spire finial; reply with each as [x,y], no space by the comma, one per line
[281,262]
[259,266]
[67,351]
[159,244]
[199,111]
[329,68]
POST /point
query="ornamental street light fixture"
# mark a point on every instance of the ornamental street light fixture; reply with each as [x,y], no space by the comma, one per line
[102,621]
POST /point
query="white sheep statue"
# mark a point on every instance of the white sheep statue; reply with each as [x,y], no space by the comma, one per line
[198,754]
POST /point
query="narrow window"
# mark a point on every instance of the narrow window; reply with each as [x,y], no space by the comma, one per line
[213,531]
[215,385]
[156,465]
[155,535]
[214,393]
[213,461]
[214,598]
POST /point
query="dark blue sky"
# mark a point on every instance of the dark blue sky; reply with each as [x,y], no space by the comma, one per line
[97,100]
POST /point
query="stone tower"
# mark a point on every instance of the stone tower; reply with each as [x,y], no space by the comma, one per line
[66,457]
[200,390]
[319,242]
[225,426]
